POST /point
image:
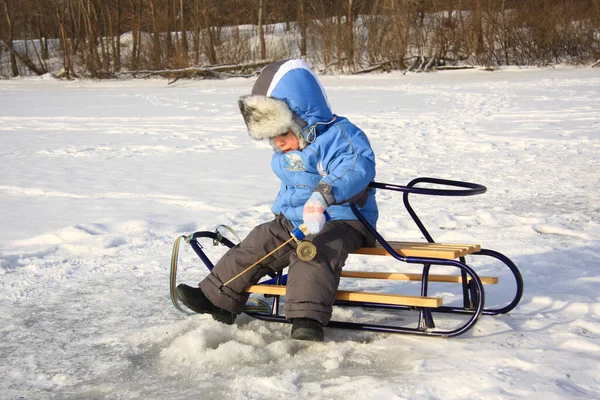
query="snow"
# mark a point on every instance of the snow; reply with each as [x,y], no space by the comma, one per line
[99,178]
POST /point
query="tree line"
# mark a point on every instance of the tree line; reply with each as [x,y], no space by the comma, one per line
[106,38]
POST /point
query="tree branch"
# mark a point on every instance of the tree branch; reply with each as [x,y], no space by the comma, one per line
[26,61]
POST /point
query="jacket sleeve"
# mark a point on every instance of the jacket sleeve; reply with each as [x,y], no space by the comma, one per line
[276,207]
[349,161]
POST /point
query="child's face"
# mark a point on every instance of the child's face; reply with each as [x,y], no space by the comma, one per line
[287,142]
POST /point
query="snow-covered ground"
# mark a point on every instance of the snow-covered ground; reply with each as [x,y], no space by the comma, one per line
[97,179]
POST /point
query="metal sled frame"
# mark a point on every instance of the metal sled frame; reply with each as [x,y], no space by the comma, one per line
[472,287]
[470,189]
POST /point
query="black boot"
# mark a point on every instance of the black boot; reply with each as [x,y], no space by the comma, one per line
[307,329]
[195,300]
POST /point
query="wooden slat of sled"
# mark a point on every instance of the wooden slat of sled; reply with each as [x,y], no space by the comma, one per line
[423,249]
[379,298]
[398,276]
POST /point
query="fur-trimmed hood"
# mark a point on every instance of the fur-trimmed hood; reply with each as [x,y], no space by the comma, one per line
[287,96]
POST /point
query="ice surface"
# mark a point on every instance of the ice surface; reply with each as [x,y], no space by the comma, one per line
[99,178]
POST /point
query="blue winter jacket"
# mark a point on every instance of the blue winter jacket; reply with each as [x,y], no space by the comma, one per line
[338,153]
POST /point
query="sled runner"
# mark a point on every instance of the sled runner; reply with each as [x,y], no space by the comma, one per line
[425,255]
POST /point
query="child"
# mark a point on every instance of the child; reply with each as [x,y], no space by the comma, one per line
[324,162]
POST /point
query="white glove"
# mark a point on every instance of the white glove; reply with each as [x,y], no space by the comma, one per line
[313,214]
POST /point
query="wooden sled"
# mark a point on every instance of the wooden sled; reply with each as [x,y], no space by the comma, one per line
[425,254]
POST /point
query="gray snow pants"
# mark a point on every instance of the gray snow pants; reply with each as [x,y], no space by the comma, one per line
[311,285]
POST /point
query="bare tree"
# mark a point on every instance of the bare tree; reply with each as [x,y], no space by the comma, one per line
[196,18]
[113,28]
[8,41]
[302,26]
[156,55]
[349,34]
[504,39]
[65,40]
[184,52]
[400,17]
[168,23]
[334,35]
[136,16]
[477,28]
[211,30]
[261,32]
[90,38]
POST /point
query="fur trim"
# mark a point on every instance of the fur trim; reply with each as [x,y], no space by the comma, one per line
[268,117]
[265,117]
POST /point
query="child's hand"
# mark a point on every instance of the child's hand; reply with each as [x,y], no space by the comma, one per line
[313,214]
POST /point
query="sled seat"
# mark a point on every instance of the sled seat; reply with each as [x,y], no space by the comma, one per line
[367,297]
[448,251]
